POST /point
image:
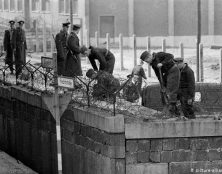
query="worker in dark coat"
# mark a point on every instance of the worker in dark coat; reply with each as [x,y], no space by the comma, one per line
[105,57]
[73,61]
[20,48]
[187,88]
[9,45]
[165,68]
[60,41]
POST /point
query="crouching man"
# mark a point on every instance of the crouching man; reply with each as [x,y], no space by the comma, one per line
[106,84]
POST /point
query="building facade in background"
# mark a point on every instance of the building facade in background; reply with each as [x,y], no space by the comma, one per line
[174,20]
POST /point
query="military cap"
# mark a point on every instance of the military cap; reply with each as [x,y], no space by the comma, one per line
[21,22]
[178,59]
[11,22]
[144,55]
[66,24]
[76,27]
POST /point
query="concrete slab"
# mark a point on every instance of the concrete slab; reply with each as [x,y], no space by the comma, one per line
[10,165]
[169,129]
[147,168]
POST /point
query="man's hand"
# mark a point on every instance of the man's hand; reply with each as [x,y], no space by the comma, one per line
[159,65]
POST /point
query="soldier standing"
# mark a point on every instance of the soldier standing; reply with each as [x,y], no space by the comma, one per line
[9,45]
[73,62]
[168,75]
[60,41]
[20,48]
[105,57]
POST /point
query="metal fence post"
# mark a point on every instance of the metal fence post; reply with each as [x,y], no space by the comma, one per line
[181,50]
[164,45]
[134,49]
[201,62]
[107,41]
[121,51]
[220,65]
[96,39]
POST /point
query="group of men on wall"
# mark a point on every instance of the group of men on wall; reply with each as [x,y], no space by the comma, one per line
[176,77]
[15,46]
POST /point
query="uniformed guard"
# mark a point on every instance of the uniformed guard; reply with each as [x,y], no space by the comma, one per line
[73,62]
[20,47]
[9,45]
[60,41]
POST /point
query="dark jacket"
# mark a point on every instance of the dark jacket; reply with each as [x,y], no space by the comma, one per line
[20,45]
[60,41]
[9,44]
[105,57]
[187,82]
[73,62]
[166,59]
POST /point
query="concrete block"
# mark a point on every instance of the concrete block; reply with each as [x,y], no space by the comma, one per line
[195,167]
[107,123]
[201,155]
[168,144]
[215,142]
[113,151]
[69,125]
[67,135]
[131,158]
[116,139]
[131,146]
[182,143]
[147,168]
[143,145]
[181,155]
[120,166]
[214,155]
[155,157]
[170,129]
[143,157]
[156,144]
[199,144]
[166,157]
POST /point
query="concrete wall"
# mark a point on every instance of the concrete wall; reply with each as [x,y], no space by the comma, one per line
[151,18]
[210,97]
[116,8]
[96,142]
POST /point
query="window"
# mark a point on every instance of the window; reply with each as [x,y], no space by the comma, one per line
[5,4]
[61,6]
[35,5]
[12,5]
[45,5]
[64,6]
[20,5]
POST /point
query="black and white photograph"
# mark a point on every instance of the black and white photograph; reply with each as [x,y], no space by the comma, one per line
[110,86]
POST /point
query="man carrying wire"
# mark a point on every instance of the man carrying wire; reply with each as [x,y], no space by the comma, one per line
[168,75]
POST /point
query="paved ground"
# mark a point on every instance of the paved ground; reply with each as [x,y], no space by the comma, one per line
[9,165]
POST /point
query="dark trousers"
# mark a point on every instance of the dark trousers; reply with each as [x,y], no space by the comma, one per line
[61,67]
[187,109]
